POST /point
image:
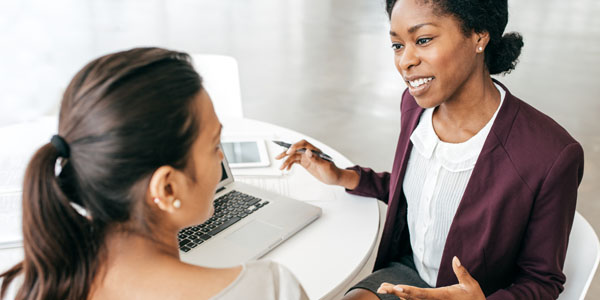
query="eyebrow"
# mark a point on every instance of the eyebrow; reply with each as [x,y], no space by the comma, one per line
[413,28]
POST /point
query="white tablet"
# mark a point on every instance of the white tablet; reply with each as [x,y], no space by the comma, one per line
[250,153]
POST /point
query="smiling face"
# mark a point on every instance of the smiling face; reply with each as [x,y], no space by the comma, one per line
[433,55]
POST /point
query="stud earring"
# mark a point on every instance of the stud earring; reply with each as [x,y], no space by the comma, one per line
[177,203]
[156,200]
[480,49]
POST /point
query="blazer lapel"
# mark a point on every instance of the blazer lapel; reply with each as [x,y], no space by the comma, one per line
[401,159]
[463,237]
[396,214]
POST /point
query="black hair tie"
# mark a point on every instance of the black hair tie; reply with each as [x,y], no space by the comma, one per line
[61,146]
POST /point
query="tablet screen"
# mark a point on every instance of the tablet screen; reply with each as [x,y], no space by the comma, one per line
[241,152]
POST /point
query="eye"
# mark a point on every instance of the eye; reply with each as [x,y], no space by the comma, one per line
[423,41]
[397,46]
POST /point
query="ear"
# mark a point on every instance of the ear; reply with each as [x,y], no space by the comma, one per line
[163,188]
[481,41]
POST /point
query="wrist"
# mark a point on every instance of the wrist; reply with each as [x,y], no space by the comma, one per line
[348,179]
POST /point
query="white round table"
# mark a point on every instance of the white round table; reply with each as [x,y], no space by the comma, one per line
[328,254]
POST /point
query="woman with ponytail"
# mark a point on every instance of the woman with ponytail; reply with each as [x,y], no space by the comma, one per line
[482,193]
[135,160]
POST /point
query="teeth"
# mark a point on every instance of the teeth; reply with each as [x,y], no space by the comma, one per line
[420,81]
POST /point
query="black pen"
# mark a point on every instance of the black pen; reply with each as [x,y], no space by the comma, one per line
[302,150]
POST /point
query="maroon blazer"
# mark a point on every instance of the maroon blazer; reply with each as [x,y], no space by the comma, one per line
[512,225]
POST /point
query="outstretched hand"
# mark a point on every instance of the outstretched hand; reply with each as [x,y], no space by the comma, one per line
[467,288]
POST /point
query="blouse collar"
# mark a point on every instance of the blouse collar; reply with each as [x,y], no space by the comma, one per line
[455,157]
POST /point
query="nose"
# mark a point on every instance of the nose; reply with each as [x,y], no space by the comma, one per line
[407,59]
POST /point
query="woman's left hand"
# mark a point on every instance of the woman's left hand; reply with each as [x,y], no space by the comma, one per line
[467,288]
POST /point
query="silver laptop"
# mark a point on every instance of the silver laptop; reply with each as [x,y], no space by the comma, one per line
[248,222]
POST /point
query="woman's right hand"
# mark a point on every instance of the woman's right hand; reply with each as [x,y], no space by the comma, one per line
[325,171]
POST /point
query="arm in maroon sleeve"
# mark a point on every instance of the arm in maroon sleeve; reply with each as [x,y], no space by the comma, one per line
[541,260]
[371,184]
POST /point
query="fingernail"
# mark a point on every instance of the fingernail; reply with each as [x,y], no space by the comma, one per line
[456,261]
[380,291]
[289,151]
[399,289]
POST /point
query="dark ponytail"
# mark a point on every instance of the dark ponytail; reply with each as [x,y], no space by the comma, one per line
[122,116]
[503,50]
[59,242]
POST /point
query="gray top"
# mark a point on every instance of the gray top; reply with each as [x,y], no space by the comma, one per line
[264,280]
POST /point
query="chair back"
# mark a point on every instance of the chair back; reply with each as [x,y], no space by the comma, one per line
[582,259]
[221,81]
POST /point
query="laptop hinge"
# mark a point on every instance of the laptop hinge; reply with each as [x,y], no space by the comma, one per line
[220,189]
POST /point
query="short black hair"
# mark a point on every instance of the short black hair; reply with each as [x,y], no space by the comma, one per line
[503,50]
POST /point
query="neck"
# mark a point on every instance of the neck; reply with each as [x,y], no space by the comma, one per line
[467,111]
[160,243]
[125,249]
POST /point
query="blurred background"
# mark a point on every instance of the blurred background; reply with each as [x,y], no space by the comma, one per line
[320,67]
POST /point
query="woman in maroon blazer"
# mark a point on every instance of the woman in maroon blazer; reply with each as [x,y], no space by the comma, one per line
[513,214]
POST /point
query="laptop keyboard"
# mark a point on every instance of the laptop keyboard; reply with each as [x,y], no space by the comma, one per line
[229,209]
